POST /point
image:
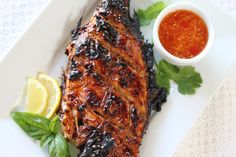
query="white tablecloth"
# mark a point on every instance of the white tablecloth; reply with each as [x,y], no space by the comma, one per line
[214,134]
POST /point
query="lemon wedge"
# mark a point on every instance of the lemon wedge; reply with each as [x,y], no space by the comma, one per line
[54,94]
[36,96]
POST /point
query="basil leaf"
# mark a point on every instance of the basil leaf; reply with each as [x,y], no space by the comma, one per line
[40,128]
[34,125]
[54,125]
[58,147]
[46,139]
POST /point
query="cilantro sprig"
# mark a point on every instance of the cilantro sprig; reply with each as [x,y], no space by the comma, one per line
[44,130]
[147,15]
[187,78]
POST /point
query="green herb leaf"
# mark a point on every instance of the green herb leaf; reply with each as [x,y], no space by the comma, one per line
[169,70]
[43,130]
[54,125]
[143,20]
[146,16]
[34,125]
[187,78]
[58,147]
[46,139]
[162,80]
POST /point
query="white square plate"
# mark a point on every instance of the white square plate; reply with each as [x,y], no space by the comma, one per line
[42,47]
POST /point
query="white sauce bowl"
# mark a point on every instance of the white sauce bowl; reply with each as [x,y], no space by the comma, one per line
[168,56]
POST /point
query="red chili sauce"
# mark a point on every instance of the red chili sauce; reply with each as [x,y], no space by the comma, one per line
[183,33]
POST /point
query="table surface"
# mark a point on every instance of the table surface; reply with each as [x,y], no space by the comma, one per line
[213,135]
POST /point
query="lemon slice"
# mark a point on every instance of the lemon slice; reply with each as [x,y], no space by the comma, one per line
[54,94]
[36,96]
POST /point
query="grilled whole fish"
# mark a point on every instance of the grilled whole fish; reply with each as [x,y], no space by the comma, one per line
[109,85]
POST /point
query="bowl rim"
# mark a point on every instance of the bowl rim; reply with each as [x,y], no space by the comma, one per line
[167,55]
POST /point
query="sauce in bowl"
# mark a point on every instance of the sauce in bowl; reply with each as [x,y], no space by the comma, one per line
[183,34]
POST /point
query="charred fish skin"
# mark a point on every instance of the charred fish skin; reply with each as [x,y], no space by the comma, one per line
[109,84]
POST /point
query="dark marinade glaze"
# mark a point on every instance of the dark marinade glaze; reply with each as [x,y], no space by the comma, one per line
[99,143]
[157,96]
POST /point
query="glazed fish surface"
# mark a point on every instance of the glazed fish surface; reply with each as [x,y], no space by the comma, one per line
[109,84]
